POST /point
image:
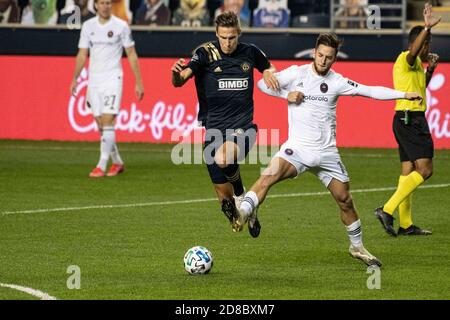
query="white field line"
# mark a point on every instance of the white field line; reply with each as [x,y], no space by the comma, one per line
[159,150]
[36,293]
[162,203]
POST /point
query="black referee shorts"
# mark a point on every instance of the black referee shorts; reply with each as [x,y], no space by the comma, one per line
[245,138]
[413,138]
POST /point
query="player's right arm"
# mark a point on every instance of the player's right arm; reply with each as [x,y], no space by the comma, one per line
[80,61]
[181,73]
[285,78]
[430,22]
[79,64]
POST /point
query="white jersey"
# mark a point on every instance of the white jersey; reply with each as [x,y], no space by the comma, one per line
[105,43]
[312,124]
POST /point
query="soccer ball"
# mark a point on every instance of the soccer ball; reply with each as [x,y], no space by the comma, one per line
[198,260]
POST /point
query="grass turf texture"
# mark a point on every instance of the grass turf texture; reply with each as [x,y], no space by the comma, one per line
[137,252]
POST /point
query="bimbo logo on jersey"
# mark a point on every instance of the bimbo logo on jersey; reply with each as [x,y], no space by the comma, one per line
[233,84]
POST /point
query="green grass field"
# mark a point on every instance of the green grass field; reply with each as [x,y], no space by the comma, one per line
[128,234]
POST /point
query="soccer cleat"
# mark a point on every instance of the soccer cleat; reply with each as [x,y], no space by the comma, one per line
[387,221]
[362,254]
[413,230]
[230,211]
[115,170]
[254,227]
[238,199]
[97,173]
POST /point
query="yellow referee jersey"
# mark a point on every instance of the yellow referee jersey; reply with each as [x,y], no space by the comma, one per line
[409,79]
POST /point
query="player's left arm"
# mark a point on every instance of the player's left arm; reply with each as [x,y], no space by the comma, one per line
[383,93]
[134,64]
[433,60]
[352,88]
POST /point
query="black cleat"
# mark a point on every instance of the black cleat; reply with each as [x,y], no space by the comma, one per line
[230,211]
[254,227]
[387,221]
[413,230]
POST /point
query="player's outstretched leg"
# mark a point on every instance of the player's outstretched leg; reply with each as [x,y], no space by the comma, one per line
[341,193]
[278,170]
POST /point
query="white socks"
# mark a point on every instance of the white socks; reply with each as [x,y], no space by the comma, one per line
[107,143]
[115,155]
[249,203]
[355,233]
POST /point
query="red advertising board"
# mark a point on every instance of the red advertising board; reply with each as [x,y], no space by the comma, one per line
[35,103]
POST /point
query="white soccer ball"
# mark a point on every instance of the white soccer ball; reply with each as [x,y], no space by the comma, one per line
[198,260]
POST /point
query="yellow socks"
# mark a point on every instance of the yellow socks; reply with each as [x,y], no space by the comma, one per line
[404,209]
[406,186]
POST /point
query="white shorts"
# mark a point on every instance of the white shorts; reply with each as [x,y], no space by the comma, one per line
[325,164]
[105,99]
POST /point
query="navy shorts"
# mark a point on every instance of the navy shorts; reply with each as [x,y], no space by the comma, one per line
[413,138]
[244,137]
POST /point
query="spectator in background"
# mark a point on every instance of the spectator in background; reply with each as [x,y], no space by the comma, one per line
[271,14]
[85,13]
[9,11]
[152,13]
[352,11]
[191,13]
[40,12]
[239,7]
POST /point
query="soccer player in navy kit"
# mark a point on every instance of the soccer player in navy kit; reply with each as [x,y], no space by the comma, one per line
[223,71]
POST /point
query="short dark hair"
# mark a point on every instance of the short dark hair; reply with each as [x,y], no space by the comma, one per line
[330,40]
[228,19]
[414,33]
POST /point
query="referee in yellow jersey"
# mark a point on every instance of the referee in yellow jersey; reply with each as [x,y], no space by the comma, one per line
[411,128]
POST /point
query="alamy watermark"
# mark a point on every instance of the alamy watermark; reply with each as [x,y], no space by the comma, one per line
[74,280]
[374,280]
[373,21]
[214,149]
[74,20]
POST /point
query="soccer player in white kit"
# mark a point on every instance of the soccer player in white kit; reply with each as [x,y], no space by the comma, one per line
[312,92]
[104,37]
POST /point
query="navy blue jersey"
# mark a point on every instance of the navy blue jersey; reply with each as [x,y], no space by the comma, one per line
[225,84]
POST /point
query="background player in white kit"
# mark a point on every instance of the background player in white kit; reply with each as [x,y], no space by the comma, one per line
[312,92]
[104,37]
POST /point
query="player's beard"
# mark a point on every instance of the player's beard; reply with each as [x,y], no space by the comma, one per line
[320,70]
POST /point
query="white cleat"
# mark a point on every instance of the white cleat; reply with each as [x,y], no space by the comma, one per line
[238,199]
[239,223]
[241,220]
[362,254]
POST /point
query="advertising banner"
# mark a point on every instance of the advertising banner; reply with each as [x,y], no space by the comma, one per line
[35,103]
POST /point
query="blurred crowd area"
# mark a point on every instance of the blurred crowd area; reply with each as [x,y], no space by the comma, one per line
[201,13]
